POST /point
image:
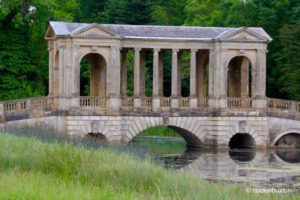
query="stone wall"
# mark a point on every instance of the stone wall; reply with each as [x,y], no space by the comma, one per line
[212,131]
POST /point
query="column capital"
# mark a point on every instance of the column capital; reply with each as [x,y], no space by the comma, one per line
[175,50]
[194,50]
[61,45]
[137,49]
[116,48]
[156,50]
[75,47]
[50,47]
[262,50]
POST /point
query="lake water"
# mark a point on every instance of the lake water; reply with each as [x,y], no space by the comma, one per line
[274,168]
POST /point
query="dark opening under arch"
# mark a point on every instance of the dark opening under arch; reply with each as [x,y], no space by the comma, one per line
[93,75]
[239,77]
[289,140]
[241,141]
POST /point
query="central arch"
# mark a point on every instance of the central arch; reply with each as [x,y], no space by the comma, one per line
[93,75]
[190,139]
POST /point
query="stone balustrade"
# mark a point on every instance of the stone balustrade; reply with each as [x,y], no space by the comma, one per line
[241,103]
[88,101]
[283,105]
[30,103]
[127,103]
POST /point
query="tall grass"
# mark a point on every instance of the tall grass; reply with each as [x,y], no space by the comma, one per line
[32,169]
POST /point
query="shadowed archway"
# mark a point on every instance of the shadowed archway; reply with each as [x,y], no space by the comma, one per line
[241,141]
[191,140]
[93,75]
[289,140]
[239,77]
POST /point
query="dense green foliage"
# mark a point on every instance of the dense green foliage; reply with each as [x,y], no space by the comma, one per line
[30,169]
[23,23]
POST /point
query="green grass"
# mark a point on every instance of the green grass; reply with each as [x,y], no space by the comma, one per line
[31,169]
[159,131]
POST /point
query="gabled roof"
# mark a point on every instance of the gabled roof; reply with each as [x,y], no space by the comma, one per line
[156,32]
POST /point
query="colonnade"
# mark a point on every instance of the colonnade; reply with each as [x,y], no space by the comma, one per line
[198,62]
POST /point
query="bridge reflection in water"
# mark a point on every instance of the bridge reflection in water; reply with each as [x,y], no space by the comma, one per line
[273,168]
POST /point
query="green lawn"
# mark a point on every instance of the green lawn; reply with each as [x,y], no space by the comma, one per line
[159,131]
[31,169]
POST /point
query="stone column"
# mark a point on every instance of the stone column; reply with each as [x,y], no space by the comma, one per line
[176,78]
[218,78]
[156,72]
[137,78]
[61,50]
[201,74]
[124,74]
[156,77]
[68,69]
[193,79]
[259,80]
[161,77]
[51,63]
[75,88]
[114,79]
[244,77]
[142,73]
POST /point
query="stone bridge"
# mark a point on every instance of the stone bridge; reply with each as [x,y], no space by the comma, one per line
[226,105]
[201,126]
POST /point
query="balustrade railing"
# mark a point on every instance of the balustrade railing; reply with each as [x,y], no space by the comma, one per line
[165,102]
[146,103]
[127,103]
[30,103]
[42,102]
[88,101]
[19,104]
[282,105]
[236,102]
[184,103]
[202,103]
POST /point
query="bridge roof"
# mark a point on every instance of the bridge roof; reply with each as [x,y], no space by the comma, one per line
[157,32]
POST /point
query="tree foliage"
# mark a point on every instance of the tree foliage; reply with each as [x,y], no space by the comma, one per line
[24,55]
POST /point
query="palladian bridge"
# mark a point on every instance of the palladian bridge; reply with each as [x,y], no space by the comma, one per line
[226,106]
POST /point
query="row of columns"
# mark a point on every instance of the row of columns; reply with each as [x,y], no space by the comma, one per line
[198,63]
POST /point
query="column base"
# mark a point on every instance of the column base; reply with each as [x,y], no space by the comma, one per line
[193,102]
[174,103]
[137,103]
[217,103]
[259,103]
[114,103]
[74,102]
[155,104]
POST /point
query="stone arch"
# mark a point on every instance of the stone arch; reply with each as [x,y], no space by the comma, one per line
[98,72]
[284,133]
[286,158]
[140,124]
[239,69]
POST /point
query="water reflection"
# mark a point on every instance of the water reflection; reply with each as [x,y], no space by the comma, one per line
[265,168]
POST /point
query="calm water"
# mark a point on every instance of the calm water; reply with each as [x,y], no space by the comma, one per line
[276,168]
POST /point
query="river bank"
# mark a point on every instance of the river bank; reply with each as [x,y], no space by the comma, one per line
[31,169]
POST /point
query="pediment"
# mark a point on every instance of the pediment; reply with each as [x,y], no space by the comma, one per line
[242,35]
[50,34]
[94,30]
